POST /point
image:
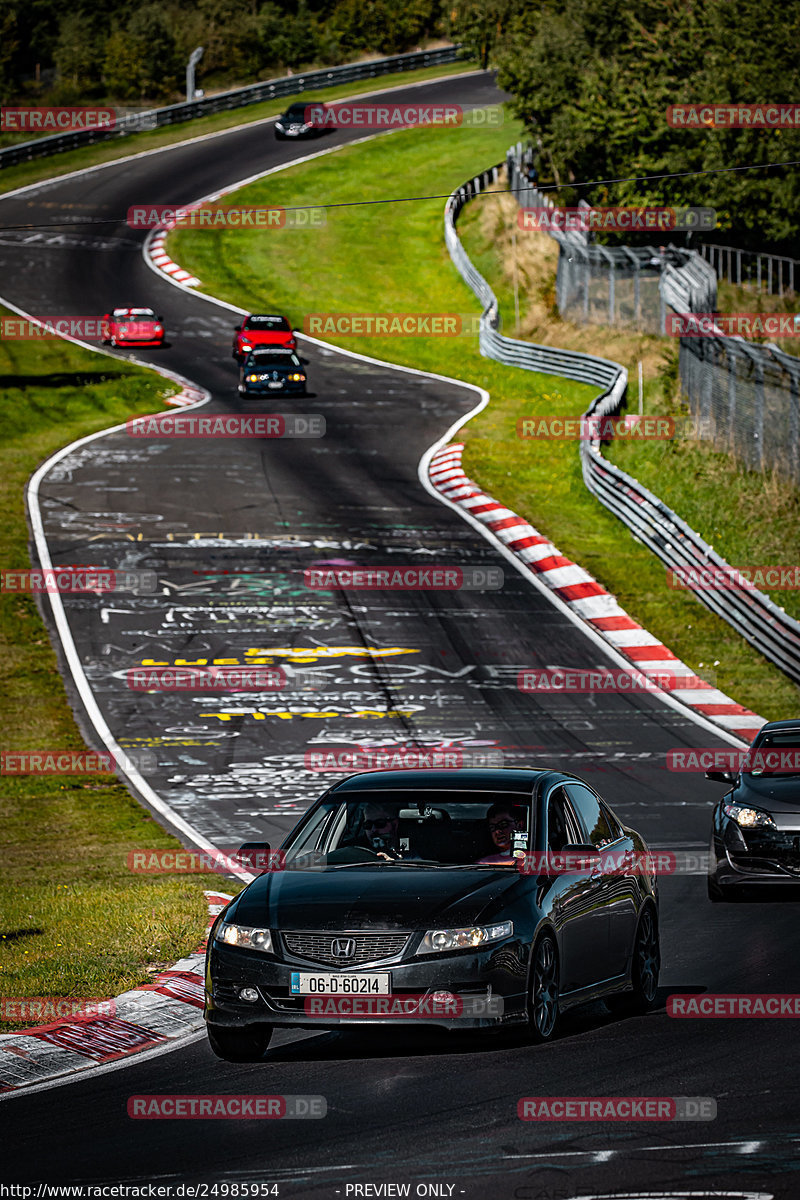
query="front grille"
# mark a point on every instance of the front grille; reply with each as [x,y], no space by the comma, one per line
[769,850]
[367,947]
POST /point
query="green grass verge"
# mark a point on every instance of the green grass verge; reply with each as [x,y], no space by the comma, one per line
[392,258]
[134,143]
[75,921]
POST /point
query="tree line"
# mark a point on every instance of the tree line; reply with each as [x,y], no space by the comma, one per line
[592,80]
[112,52]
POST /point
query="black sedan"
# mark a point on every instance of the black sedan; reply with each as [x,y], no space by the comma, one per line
[270,369]
[755,828]
[305,118]
[473,898]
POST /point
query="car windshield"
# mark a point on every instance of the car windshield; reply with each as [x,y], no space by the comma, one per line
[404,827]
[267,323]
[296,112]
[774,754]
[135,314]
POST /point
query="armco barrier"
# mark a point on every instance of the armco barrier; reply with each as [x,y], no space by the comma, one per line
[269,89]
[751,613]
[584,368]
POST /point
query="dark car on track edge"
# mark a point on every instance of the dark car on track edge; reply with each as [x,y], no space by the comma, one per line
[426,908]
[755,826]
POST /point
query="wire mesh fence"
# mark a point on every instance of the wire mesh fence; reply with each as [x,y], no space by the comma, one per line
[743,396]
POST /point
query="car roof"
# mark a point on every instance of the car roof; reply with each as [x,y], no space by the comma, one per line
[496,779]
[792,723]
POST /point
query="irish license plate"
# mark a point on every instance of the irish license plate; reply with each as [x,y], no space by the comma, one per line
[378,984]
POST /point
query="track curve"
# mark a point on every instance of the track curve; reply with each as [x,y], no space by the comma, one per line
[233,768]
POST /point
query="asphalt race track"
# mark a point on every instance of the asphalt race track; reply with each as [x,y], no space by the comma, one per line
[401,1108]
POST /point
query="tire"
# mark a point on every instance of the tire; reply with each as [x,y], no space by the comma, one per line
[543,1000]
[240,1045]
[644,970]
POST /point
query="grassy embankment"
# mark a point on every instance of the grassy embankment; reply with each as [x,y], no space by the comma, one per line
[75,921]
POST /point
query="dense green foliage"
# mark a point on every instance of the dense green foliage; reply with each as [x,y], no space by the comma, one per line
[110,52]
[592,80]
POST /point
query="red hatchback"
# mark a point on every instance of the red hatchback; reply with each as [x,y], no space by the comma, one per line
[133,327]
[261,329]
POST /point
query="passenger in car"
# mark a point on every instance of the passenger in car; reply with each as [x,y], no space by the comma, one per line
[502,820]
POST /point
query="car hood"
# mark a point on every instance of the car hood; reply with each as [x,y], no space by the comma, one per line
[776,793]
[372,896]
[265,339]
[134,326]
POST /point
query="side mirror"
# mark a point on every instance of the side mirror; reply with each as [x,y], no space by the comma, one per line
[254,855]
[721,776]
[237,328]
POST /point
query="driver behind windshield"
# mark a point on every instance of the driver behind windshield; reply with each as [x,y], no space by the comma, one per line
[381,832]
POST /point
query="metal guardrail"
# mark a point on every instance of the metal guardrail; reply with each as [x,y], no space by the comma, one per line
[751,613]
[270,89]
[775,272]
[584,368]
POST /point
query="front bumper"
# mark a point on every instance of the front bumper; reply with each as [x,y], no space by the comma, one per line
[499,971]
[158,341]
[755,858]
[261,389]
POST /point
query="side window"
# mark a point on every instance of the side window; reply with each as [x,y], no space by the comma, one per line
[562,825]
[309,836]
[613,823]
[596,824]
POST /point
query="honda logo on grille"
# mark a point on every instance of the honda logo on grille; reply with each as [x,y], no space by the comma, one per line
[343,947]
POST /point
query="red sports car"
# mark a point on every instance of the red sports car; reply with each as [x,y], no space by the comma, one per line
[261,329]
[133,327]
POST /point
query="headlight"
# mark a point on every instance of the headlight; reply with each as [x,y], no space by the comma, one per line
[437,940]
[157,329]
[297,378]
[246,347]
[749,818]
[252,378]
[243,935]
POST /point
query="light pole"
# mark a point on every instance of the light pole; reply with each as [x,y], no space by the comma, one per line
[194,59]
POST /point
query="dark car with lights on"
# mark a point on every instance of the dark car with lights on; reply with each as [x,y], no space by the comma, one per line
[755,827]
[449,897]
[303,119]
[271,369]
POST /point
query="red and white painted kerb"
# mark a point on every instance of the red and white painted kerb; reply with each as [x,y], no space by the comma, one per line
[584,595]
[149,1016]
[159,257]
[188,395]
